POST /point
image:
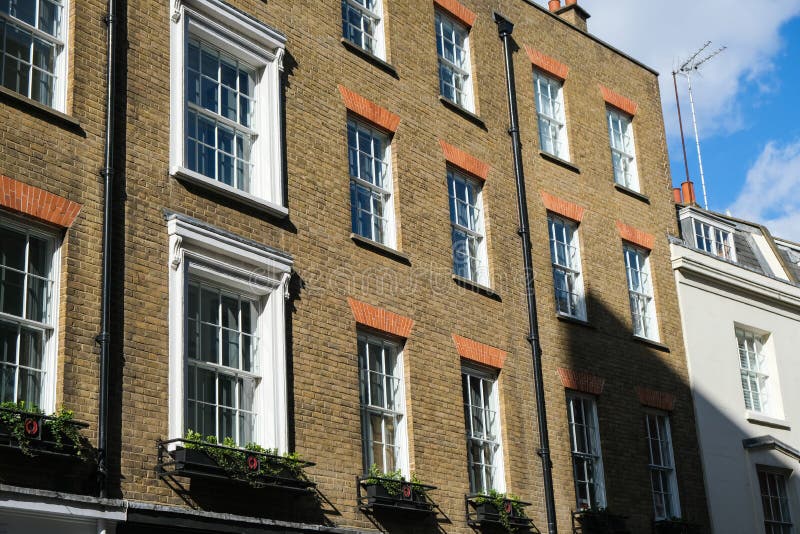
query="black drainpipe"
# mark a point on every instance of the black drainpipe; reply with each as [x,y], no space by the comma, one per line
[104,337]
[504,29]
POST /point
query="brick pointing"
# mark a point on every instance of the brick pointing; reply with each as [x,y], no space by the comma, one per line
[618,101]
[656,399]
[636,236]
[464,161]
[562,207]
[380,319]
[37,203]
[546,63]
[581,381]
[479,352]
[457,10]
[369,110]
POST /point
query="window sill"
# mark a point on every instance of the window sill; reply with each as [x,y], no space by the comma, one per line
[370,57]
[476,287]
[655,344]
[467,114]
[630,192]
[227,191]
[46,113]
[760,419]
[558,161]
[383,250]
[574,320]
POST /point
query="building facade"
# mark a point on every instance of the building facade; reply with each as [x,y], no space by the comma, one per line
[738,291]
[314,250]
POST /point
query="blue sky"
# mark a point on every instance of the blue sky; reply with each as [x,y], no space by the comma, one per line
[747,99]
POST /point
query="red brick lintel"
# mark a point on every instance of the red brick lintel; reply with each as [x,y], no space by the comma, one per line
[548,64]
[464,161]
[561,207]
[369,110]
[581,381]
[479,352]
[380,319]
[37,203]
[459,11]
[652,398]
[636,236]
[618,101]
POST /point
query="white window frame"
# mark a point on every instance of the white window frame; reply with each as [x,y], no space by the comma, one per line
[663,464]
[367,409]
[475,372]
[385,192]
[640,295]
[476,231]
[552,126]
[47,401]
[201,252]
[714,240]
[571,267]
[623,148]
[754,369]
[254,44]
[61,43]
[592,455]
[368,9]
[464,71]
[780,512]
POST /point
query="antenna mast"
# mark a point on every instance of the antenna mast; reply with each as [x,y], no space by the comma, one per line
[693,64]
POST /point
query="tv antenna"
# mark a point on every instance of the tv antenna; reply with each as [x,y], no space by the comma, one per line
[693,64]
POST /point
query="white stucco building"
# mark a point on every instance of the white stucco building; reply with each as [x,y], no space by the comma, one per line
[740,306]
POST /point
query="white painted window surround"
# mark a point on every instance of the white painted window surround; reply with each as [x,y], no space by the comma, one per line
[253,46]
[201,253]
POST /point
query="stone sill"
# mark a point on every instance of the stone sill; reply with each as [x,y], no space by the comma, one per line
[370,57]
[558,161]
[655,344]
[46,113]
[630,192]
[381,249]
[574,320]
[761,419]
[476,287]
[467,114]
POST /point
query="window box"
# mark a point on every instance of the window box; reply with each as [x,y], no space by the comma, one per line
[498,511]
[259,469]
[598,521]
[393,494]
[675,526]
[34,433]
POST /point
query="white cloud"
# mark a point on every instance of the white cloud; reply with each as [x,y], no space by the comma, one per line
[771,193]
[662,34]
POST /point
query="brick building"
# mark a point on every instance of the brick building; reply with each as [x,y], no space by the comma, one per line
[314,249]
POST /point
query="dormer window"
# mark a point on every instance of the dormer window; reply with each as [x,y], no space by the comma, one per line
[714,240]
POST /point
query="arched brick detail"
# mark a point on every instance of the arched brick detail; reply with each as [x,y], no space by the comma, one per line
[458,10]
[562,207]
[37,203]
[656,399]
[618,101]
[369,110]
[546,63]
[464,161]
[581,381]
[380,319]
[636,236]
[479,352]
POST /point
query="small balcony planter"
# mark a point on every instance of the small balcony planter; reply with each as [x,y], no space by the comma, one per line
[496,510]
[598,521]
[203,457]
[27,428]
[391,491]
[675,525]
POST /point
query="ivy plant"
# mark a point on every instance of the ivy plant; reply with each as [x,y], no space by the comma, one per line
[233,459]
[498,500]
[61,424]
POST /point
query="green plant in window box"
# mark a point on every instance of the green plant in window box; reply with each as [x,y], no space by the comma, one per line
[393,482]
[506,506]
[234,459]
[597,520]
[21,420]
[675,525]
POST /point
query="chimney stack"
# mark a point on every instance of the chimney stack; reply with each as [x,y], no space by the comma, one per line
[572,13]
[676,195]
